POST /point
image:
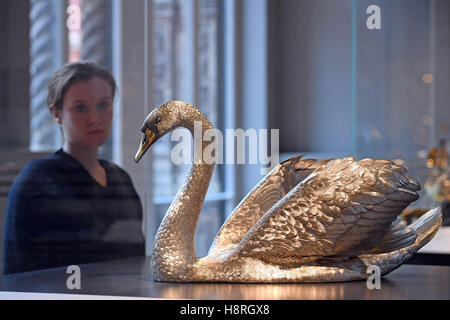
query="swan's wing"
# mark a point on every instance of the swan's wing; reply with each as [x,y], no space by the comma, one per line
[274,186]
[342,209]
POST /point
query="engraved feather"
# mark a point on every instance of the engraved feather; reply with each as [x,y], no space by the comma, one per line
[343,202]
[274,186]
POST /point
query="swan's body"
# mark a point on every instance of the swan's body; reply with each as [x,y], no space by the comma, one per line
[306,221]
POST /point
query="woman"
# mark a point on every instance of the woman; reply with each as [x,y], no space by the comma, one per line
[71,207]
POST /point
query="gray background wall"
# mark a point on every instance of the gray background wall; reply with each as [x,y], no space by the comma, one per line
[442,72]
[310,76]
[14,97]
[14,74]
[392,100]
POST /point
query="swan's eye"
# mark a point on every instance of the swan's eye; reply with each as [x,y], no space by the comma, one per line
[144,139]
[158,119]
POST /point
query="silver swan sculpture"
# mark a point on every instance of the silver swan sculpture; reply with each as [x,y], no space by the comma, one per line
[305,221]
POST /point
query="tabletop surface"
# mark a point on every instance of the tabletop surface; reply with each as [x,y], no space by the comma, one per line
[132,278]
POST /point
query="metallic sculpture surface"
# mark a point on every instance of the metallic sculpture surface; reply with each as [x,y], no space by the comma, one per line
[305,221]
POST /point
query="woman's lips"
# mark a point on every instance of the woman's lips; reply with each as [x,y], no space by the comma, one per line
[95,131]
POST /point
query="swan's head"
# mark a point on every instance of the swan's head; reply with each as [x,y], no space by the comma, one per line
[160,121]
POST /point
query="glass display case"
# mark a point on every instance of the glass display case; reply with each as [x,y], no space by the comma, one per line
[335,77]
[400,75]
[400,99]
[364,79]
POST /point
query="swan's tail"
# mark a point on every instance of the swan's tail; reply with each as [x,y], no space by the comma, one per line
[426,226]
[424,230]
[416,234]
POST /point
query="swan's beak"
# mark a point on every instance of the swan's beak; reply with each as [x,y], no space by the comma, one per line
[147,139]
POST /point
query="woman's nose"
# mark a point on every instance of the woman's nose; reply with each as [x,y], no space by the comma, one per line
[95,117]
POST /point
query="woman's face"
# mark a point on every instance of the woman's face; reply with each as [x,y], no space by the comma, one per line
[87,113]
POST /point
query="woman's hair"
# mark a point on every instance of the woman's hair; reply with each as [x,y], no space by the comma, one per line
[72,73]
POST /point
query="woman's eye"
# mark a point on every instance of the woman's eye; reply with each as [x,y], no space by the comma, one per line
[103,105]
[80,108]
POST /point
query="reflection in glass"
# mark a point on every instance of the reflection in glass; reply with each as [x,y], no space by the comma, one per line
[185,64]
[74,32]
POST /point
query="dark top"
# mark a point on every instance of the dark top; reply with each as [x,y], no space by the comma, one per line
[58,215]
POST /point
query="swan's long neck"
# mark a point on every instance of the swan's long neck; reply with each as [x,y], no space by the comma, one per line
[174,249]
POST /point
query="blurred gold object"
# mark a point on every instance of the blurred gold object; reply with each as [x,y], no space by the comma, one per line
[438,157]
[438,188]
[437,184]
[427,78]
[446,189]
